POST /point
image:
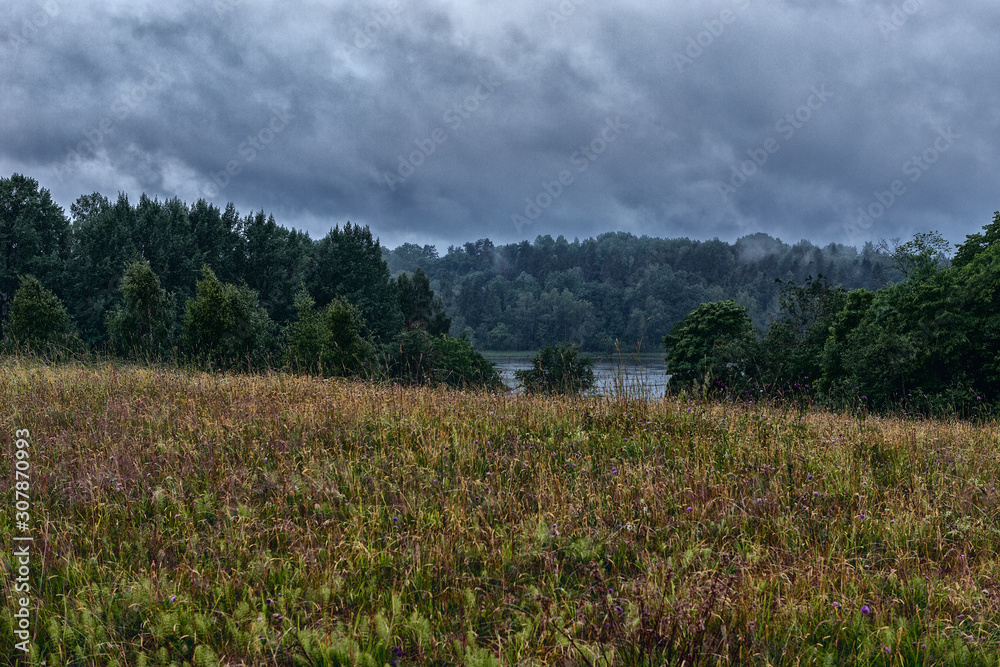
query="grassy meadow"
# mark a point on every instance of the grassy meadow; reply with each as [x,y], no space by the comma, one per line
[192,519]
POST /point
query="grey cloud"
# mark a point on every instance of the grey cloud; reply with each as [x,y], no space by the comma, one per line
[367,83]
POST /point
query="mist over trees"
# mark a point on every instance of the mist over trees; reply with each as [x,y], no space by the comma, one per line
[620,287]
[928,344]
[901,324]
[520,296]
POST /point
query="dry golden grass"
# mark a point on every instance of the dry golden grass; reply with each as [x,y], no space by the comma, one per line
[186,518]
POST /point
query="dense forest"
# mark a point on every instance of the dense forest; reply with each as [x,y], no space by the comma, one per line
[513,297]
[619,287]
[909,325]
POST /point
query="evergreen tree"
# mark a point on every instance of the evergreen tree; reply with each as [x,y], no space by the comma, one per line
[34,236]
[102,245]
[419,306]
[329,341]
[348,263]
[225,326]
[38,320]
[142,325]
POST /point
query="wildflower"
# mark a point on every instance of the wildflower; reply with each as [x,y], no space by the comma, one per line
[810,476]
[866,610]
[888,651]
[689,508]
[835,604]
[614,470]
[173,598]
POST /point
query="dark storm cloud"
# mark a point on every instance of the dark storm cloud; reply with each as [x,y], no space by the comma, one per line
[445,122]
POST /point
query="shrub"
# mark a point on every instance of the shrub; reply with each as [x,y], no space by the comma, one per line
[712,345]
[225,326]
[329,341]
[38,321]
[416,357]
[142,325]
[558,370]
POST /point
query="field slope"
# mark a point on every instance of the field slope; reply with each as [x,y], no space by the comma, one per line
[182,518]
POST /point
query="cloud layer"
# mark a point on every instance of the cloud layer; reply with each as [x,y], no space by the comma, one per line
[441,122]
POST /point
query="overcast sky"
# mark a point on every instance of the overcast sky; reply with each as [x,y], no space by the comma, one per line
[437,121]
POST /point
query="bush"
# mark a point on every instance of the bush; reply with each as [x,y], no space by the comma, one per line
[416,357]
[38,321]
[329,341]
[558,370]
[143,324]
[225,326]
[459,365]
[712,345]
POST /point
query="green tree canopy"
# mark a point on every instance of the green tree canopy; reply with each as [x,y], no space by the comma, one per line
[328,341]
[225,326]
[558,369]
[419,306]
[102,245]
[416,357]
[978,242]
[142,325]
[38,320]
[348,263]
[716,343]
[34,236]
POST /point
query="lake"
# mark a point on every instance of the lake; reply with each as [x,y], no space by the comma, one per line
[643,376]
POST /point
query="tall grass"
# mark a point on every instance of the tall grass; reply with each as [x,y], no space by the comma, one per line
[188,518]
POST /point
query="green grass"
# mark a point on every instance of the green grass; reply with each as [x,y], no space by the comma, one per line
[185,518]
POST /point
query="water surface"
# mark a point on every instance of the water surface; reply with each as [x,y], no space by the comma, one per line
[637,376]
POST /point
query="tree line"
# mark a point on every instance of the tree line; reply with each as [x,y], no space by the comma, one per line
[620,287]
[929,343]
[166,280]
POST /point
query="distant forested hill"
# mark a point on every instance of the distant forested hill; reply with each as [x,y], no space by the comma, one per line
[520,296]
[523,296]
